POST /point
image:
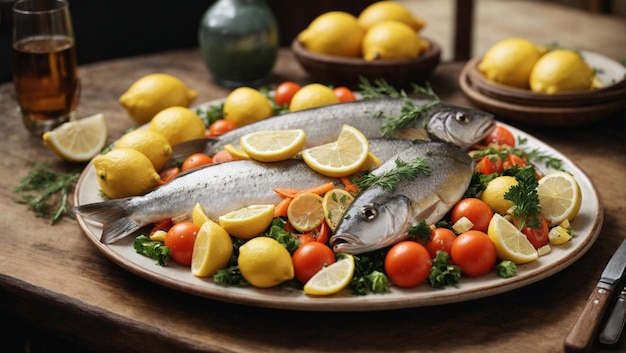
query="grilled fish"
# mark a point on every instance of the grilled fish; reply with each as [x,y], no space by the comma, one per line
[379,217]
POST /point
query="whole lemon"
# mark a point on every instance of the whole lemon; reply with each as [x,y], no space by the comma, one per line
[392,40]
[125,172]
[311,96]
[264,262]
[493,195]
[389,11]
[246,105]
[152,93]
[178,124]
[510,62]
[559,71]
[333,33]
[152,144]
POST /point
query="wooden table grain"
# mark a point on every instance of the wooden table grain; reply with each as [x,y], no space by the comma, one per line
[53,278]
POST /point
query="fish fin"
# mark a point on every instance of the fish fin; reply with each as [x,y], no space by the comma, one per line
[413,134]
[114,215]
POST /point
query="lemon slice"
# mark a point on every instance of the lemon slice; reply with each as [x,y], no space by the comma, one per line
[78,140]
[559,196]
[247,222]
[273,145]
[236,151]
[334,204]
[510,243]
[305,212]
[198,216]
[331,279]
[371,163]
[341,158]
[211,250]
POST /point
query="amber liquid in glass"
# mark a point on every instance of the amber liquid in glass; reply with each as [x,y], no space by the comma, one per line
[45,77]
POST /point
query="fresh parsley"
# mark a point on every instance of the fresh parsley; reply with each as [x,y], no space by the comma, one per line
[442,272]
[152,249]
[524,197]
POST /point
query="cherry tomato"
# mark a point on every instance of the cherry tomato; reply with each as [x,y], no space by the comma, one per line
[196,160]
[514,160]
[407,264]
[538,236]
[491,164]
[305,238]
[476,210]
[309,258]
[344,94]
[167,175]
[180,239]
[321,233]
[163,225]
[474,252]
[501,136]
[440,240]
[220,127]
[285,91]
[223,156]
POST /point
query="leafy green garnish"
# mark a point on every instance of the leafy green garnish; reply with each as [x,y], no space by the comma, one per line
[211,114]
[379,89]
[391,178]
[230,276]
[443,273]
[506,269]
[46,192]
[152,249]
[524,197]
[420,231]
[369,276]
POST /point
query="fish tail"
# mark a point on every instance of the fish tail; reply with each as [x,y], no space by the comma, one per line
[114,215]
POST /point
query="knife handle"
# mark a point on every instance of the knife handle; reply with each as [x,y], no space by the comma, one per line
[615,323]
[582,334]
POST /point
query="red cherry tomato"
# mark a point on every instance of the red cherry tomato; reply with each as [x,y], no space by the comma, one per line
[321,233]
[285,91]
[441,239]
[538,236]
[344,94]
[309,258]
[474,252]
[501,136]
[196,160]
[180,239]
[167,175]
[163,225]
[223,156]
[407,264]
[514,160]
[220,127]
[476,210]
[491,164]
[305,238]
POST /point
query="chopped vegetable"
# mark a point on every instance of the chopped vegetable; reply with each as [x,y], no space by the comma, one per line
[152,249]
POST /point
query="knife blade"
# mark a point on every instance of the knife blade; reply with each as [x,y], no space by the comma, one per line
[582,334]
[614,325]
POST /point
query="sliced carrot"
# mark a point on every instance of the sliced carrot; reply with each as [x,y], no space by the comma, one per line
[349,186]
[291,193]
[281,209]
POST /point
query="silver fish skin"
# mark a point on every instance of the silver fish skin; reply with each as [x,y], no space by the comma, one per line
[378,217]
[219,188]
[441,122]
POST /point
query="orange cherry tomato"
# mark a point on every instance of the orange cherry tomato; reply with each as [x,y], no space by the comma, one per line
[163,225]
[538,236]
[474,252]
[476,210]
[491,164]
[344,94]
[180,239]
[220,127]
[501,136]
[440,240]
[407,264]
[196,160]
[321,233]
[223,156]
[514,160]
[167,175]
[285,91]
[309,258]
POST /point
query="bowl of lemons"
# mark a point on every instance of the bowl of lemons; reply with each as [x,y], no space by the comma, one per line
[525,82]
[382,42]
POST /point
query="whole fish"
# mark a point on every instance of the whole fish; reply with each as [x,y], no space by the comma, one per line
[379,217]
[219,188]
[439,122]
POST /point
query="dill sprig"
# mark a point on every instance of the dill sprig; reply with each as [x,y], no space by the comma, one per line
[408,115]
[46,192]
[524,197]
[391,178]
[378,89]
[536,155]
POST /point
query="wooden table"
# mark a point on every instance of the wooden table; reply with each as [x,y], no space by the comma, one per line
[52,277]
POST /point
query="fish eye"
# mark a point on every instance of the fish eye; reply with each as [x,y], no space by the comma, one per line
[368,213]
[462,118]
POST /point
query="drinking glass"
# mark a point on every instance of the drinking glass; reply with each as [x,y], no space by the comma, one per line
[44,63]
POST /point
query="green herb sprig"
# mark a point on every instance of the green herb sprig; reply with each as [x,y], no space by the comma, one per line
[391,178]
[526,207]
[46,192]
[153,249]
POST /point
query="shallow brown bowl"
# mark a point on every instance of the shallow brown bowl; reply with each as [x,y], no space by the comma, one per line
[345,71]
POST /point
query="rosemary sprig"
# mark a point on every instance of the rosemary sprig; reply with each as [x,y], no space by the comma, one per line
[46,192]
[408,115]
[391,178]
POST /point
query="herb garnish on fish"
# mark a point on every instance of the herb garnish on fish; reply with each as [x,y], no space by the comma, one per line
[389,180]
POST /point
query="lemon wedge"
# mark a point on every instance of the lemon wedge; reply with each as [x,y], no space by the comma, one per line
[334,204]
[559,196]
[211,250]
[248,221]
[78,140]
[341,158]
[273,145]
[305,212]
[236,151]
[510,243]
[331,279]
[198,216]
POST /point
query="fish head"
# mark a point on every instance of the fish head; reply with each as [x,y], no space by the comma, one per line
[459,126]
[374,220]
